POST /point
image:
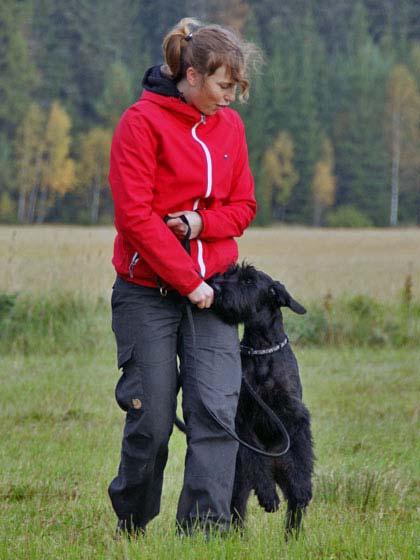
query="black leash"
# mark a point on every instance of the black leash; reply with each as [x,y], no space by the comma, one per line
[259,400]
[263,405]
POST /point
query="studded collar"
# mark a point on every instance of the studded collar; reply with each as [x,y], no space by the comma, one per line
[248,351]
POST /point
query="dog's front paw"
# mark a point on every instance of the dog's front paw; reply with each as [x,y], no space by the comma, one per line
[270,501]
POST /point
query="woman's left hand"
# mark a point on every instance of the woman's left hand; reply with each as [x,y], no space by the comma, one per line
[180,229]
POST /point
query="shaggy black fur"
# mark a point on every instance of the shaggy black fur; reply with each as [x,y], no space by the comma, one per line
[246,295]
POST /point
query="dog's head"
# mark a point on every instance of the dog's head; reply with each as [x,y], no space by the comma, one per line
[243,292]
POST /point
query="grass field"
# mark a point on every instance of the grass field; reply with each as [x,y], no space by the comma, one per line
[60,432]
[311,262]
[60,426]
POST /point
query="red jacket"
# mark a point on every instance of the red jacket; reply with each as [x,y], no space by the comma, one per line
[167,157]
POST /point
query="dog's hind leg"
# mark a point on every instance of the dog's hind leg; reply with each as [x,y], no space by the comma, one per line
[293,524]
[295,505]
[293,472]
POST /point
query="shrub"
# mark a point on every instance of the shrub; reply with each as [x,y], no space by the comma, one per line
[347,216]
[57,323]
[61,323]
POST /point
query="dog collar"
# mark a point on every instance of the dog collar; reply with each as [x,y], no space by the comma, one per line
[252,352]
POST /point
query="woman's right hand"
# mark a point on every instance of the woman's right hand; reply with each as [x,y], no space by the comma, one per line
[202,296]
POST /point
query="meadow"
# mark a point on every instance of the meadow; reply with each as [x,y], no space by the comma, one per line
[60,426]
[311,262]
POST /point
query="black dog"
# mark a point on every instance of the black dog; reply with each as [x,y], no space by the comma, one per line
[246,295]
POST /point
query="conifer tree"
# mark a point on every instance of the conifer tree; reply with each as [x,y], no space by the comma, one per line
[361,157]
[17,76]
[303,117]
[255,114]
[118,94]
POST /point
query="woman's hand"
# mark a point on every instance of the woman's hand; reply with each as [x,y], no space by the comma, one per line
[202,296]
[180,229]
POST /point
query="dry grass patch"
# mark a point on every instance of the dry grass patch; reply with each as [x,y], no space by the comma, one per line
[311,262]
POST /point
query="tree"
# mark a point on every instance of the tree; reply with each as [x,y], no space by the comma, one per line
[29,150]
[303,117]
[403,127]
[233,13]
[17,76]
[411,197]
[256,114]
[57,168]
[118,94]
[7,207]
[324,182]
[357,132]
[279,173]
[17,72]
[92,171]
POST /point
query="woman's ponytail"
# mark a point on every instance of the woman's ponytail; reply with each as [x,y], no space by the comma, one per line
[176,42]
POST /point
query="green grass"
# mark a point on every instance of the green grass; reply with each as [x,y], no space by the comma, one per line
[59,322]
[60,430]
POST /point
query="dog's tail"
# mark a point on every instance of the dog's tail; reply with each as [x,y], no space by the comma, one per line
[180,425]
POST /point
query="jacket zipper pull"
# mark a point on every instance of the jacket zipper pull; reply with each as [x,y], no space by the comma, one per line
[203,119]
[133,263]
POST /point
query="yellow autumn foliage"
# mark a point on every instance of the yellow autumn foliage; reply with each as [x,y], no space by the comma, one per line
[279,170]
[94,161]
[58,170]
[324,182]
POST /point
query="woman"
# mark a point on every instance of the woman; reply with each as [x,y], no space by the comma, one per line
[179,151]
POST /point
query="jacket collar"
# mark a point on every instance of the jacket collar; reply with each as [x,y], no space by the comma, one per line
[156,81]
[161,89]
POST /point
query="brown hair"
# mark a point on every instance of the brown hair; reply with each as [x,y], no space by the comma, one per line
[206,48]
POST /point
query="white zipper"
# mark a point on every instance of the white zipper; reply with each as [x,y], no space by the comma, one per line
[208,189]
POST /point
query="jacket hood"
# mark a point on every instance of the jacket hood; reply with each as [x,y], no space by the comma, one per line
[156,81]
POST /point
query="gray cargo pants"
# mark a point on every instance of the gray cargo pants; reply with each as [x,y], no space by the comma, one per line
[151,331]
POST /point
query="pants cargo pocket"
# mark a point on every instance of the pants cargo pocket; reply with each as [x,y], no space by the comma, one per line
[129,389]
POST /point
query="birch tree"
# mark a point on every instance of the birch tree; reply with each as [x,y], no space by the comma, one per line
[57,168]
[29,148]
[279,173]
[92,171]
[324,182]
[402,127]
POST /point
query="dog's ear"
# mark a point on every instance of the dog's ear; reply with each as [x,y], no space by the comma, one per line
[284,299]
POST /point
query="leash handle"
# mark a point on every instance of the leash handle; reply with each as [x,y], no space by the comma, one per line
[186,241]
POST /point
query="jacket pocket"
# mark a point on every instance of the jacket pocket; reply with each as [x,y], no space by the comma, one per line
[129,389]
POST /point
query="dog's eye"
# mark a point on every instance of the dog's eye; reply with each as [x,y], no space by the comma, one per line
[249,282]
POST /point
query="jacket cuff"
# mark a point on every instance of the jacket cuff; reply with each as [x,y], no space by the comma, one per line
[190,287]
[204,230]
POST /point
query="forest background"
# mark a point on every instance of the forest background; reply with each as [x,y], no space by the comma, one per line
[333,122]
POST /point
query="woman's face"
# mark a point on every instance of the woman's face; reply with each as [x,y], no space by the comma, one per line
[214,93]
